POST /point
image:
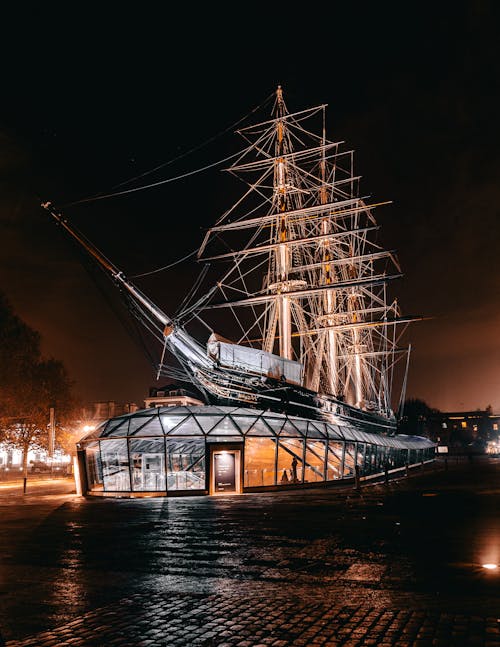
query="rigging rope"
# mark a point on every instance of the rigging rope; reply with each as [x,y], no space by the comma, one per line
[165,267]
[150,186]
[179,177]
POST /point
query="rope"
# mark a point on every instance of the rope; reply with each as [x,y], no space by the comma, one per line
[168,180]
[165,267]
[149,186]
[192,150]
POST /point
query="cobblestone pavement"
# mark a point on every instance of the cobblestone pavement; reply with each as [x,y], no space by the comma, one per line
[397,564]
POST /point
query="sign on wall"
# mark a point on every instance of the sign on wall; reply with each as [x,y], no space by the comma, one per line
[225,472]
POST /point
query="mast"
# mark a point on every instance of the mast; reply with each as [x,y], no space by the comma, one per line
[282,252]
[329,278]
[324,299]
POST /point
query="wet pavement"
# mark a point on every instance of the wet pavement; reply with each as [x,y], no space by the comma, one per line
[396,564]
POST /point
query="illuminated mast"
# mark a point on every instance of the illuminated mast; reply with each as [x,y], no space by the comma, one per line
[282,252]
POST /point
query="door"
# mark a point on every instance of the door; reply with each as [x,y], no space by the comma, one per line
[226,477]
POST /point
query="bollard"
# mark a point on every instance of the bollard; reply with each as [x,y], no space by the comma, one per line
[386,475]
[24,484]
[356,478]
[407,471]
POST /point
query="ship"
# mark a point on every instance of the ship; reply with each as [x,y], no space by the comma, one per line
[297,275]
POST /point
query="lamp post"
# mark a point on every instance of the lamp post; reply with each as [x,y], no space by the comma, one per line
[52,431]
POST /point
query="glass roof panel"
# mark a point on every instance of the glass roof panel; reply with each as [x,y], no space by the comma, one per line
[117,430]
[226,427]
[314,432]
[320,426]
[176,411]
[290,430]
[208,422]
[230,410]
[275,423]
[210,410]
[246,411]
[169,421]
[349,433]
[188,427]
[136,423]
[244,422]
[260,429]
[113,423]
[333,431]
[152,427]
[301,425]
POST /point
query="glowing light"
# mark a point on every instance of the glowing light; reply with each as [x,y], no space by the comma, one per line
[490,567]
[88,428]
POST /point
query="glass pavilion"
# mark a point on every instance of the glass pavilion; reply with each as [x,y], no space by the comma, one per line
[209,450]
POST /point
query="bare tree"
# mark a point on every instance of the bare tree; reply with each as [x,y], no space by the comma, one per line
[29,386]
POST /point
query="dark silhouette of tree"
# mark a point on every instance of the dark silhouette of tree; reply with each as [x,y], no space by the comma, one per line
[418,418]
[29,386]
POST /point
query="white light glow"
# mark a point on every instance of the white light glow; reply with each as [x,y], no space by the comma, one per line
[490,567]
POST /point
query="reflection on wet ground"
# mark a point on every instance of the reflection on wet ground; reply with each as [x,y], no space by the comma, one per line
[417,543]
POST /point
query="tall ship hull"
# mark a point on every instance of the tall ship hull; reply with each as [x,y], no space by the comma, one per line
[302,360]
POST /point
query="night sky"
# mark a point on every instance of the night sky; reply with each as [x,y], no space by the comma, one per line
[90,100]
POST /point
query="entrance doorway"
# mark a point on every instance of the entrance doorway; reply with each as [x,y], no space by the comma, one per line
[225,467]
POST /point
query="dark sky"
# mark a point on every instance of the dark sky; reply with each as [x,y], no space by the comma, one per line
[90,100]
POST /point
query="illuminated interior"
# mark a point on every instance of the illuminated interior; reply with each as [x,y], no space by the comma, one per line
[167,450]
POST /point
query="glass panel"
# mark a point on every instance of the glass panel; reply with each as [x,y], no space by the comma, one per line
[317,426]
[360,457]
[369,456]
[347,432]
[217,411]
[315,461]
[94,467]
[349,459]
[169,422]
[208,422]
[113,425]
[245,411]
[275,423]
[137,422]
[289,430]
[174,411]
[115,465]
[383,458]
[312,432]
[150,427]
[334,460]
[259,461]
[301,426]
[186,464]
[226,427]
[290,463]
[245,422]
[189,427]
[148,464]
[260,429]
